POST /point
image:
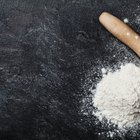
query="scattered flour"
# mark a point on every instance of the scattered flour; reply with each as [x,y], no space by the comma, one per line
[126,20]
[103,70]
[117,96]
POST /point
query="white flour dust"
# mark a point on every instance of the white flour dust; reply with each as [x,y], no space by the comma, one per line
[117,96]
[126,20]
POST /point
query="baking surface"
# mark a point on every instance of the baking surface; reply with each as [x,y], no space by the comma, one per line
[51,53]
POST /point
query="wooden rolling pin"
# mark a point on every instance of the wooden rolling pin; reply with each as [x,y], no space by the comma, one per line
[121,31]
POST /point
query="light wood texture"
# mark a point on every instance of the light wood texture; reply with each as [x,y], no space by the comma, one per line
[121,31]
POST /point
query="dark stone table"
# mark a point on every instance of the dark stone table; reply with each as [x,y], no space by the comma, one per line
[51,53]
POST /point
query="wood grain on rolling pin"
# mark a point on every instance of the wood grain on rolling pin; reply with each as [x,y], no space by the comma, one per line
[121,31]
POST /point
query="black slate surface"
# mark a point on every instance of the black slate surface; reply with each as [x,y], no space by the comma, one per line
[49,50]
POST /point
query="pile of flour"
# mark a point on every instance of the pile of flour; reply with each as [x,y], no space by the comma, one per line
[117,96]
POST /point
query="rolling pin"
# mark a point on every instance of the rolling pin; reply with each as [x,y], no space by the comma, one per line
[121,31]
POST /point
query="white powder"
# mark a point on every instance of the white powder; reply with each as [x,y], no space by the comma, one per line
[117,96]
[126,20]
[103,70]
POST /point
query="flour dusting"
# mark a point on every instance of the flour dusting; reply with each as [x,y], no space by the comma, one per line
[126,20]
[117,96]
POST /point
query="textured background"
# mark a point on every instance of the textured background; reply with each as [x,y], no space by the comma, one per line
[51,51]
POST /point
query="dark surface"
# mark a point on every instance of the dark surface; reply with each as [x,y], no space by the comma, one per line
[47,49]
